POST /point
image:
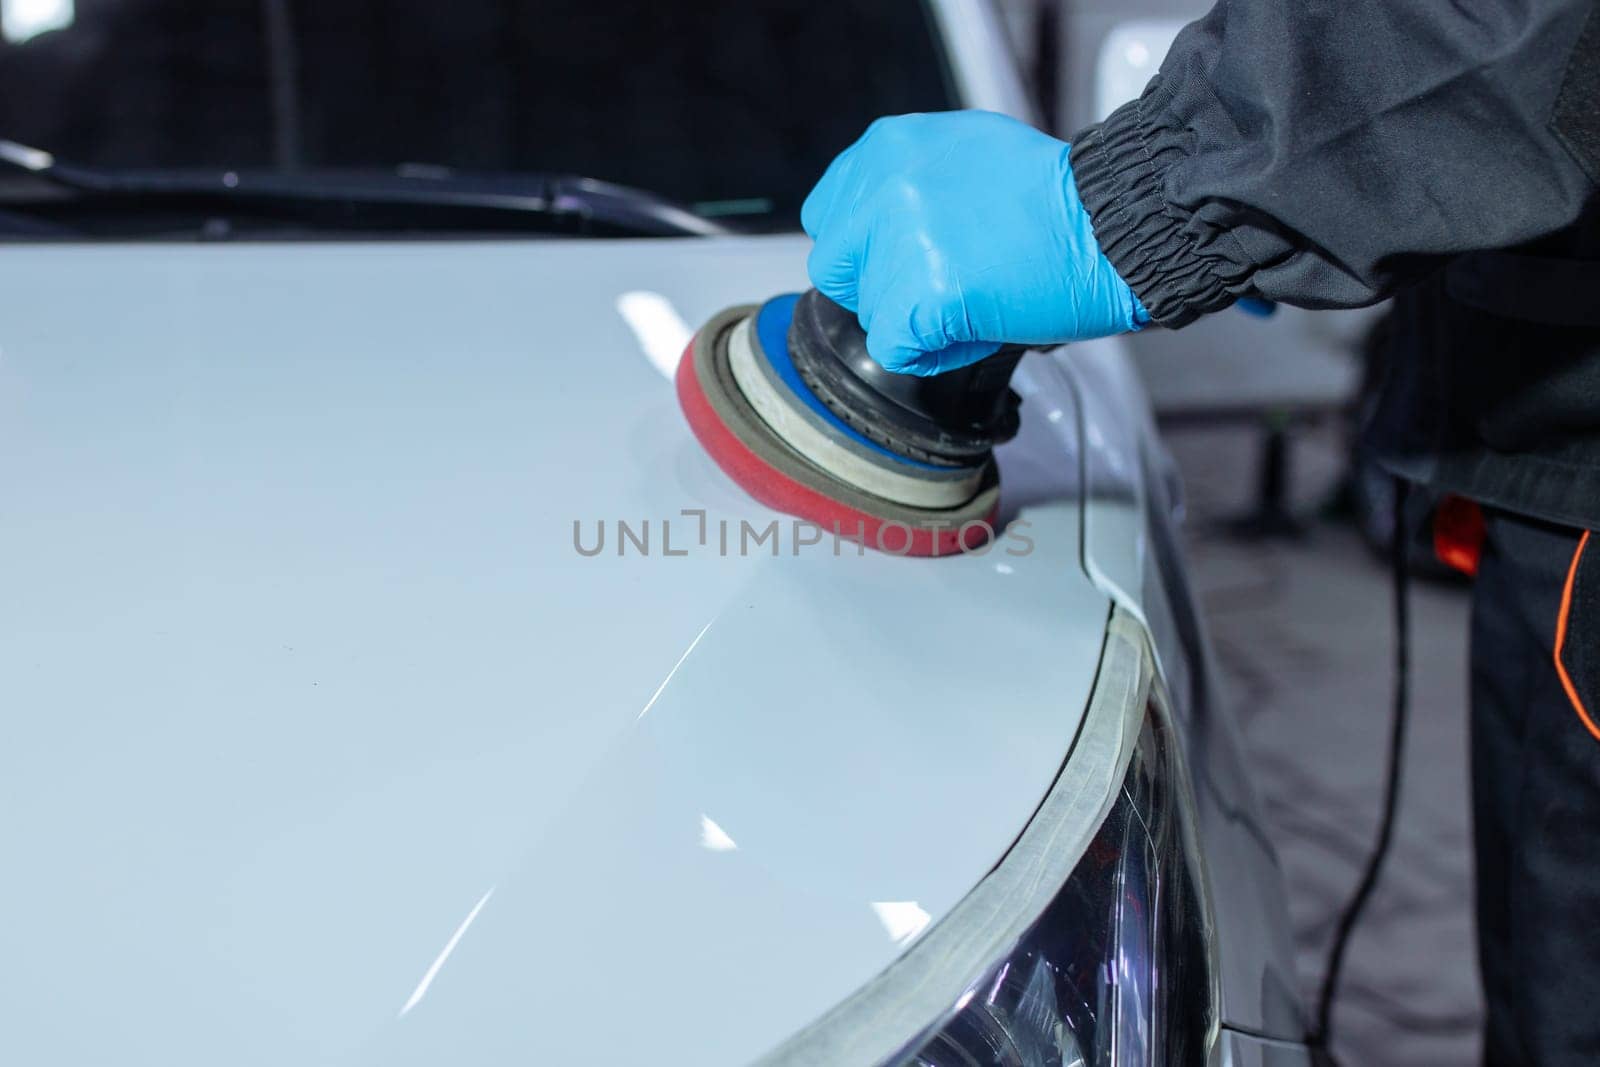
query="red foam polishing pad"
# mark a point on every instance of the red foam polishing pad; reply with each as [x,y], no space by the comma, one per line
[772,472]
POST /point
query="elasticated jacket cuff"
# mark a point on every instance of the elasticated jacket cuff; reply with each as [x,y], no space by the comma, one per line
[1119,166]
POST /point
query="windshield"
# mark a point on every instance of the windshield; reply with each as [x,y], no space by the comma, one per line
[730,107]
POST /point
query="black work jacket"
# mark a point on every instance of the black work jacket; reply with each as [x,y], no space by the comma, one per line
[1328,153]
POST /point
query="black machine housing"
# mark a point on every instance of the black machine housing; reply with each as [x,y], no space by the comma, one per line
[951,419]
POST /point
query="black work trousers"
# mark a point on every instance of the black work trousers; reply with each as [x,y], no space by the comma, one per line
[1536,790]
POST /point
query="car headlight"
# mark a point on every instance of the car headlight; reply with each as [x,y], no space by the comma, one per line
[1090,943]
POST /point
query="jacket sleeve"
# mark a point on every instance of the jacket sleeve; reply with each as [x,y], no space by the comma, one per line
[1323,152]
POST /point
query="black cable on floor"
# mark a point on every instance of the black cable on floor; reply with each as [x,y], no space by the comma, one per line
[1322,1033]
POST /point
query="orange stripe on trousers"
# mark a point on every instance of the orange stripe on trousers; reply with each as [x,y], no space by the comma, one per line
[1561,640]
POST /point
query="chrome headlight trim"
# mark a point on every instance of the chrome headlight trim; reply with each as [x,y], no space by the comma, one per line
[921,987]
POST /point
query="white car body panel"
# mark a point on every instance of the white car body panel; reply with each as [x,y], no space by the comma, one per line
[325,744]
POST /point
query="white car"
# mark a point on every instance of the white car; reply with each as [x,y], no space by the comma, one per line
[386,676]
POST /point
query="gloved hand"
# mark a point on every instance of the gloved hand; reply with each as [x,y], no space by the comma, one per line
[951,233]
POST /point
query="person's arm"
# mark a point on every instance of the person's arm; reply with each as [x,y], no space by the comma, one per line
[1323,153]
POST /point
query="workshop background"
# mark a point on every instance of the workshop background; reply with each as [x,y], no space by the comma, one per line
[1297,594]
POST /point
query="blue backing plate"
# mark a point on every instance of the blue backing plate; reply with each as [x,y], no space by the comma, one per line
[772,335]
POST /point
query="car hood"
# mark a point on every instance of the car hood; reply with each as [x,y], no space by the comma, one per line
[327,742]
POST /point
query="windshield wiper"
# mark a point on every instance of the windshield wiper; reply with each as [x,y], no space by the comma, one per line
[587,204]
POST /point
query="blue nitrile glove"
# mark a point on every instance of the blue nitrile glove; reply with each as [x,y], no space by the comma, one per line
[1257,307]
[951,233]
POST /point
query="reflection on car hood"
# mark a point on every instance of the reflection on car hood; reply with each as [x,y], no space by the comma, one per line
[325,743]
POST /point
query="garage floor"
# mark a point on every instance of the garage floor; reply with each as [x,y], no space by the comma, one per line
[1302,632]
